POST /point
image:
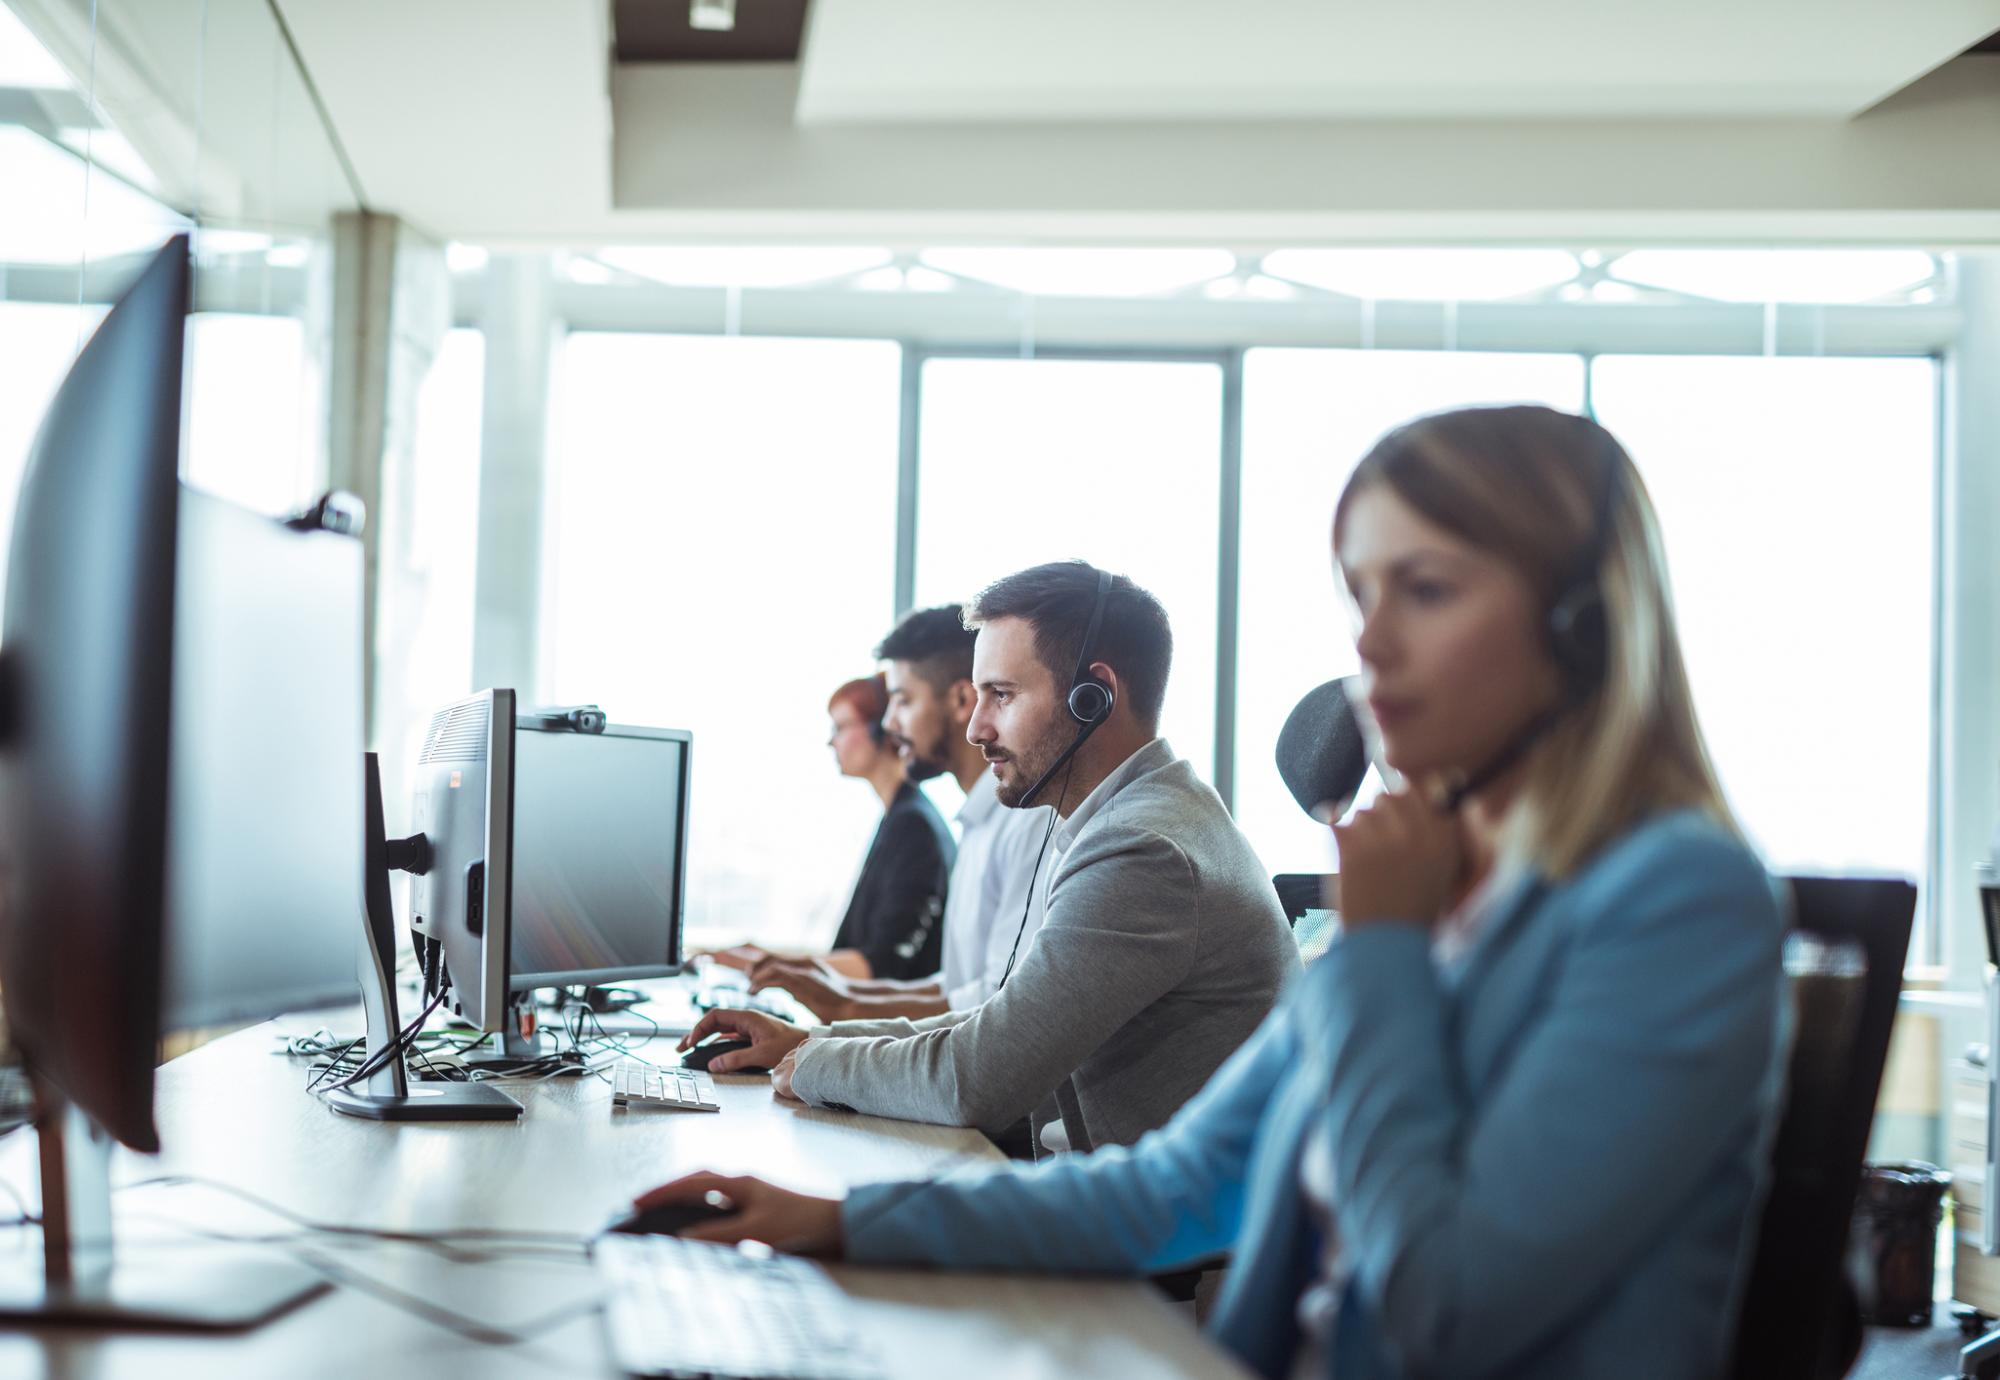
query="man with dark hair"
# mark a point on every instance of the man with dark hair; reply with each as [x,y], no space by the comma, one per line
[928,662]
[1164,945]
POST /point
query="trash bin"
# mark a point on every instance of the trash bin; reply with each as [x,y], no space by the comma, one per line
[1894,1242]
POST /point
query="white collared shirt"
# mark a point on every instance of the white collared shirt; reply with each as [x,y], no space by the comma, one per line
[989,890]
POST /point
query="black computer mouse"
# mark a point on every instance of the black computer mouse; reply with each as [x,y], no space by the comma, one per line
[700,1055]
[671,1219]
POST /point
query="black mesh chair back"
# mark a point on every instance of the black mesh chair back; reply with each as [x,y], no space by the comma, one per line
[1306,898]
[1844,961]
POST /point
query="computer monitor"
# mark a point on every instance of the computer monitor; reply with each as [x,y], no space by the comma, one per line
[126,664]
[600,849]
[88,651]
[264,844]
[460,902]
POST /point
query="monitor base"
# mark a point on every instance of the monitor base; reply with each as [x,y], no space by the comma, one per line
[428,1102]
[198,1287]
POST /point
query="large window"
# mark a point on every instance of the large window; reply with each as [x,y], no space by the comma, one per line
[1116,462]
[720,556]
[430,544]
[38,342]
[1796,499]
[1309,416]
[253,418]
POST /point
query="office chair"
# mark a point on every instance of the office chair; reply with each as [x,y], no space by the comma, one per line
[1844,960]
[1307,898]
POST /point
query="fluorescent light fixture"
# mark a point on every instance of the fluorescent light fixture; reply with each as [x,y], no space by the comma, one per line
[1779,275]
[1425,275]
[747,266]
[1053,272]
[716,16]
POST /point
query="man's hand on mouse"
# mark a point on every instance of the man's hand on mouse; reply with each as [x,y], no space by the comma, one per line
[789,1221]
[742,957]
[781,1073]
[771,1040]
[818,988]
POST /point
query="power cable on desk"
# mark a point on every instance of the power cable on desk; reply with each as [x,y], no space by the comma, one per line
[460,1324]
[417,1306]
[442,1248]
[440,1061]
[531,1245]
[431,1239]
[395,1049]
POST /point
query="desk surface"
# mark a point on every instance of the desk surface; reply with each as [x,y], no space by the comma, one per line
[236,1112]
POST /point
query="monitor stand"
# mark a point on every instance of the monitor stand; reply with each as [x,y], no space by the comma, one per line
[183,1284]
[388,1094]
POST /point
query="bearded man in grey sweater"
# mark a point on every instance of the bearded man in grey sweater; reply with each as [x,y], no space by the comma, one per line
[1164,945]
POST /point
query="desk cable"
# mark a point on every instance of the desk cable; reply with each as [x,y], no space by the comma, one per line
[382,1058]
[503,1244]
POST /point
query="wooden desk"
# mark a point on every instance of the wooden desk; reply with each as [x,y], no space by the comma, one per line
[237,1112]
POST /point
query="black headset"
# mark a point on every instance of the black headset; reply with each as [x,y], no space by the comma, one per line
[1578,632]
[1090,700]
[1576,627]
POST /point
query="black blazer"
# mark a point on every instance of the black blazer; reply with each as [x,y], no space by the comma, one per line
[896,917]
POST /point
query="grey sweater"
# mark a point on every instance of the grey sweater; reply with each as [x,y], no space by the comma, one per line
[1164,947]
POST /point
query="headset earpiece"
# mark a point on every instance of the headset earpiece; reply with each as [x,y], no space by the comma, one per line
[1578,634]
[1090,701]
[1578,631]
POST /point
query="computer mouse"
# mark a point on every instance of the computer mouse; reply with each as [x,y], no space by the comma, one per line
[700,1056]
[671,1219]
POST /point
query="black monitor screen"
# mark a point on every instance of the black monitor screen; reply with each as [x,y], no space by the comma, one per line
[600,825]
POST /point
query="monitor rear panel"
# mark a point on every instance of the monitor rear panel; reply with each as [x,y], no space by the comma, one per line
[464,806]
[88,652]
[264,835]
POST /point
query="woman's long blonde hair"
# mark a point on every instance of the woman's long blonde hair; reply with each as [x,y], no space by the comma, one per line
[1530,485]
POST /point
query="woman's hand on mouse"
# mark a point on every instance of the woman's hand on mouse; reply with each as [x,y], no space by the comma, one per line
[770,1039]
[1400,859]
[795,1222]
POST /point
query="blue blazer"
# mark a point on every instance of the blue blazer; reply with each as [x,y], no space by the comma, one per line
[1546,1155]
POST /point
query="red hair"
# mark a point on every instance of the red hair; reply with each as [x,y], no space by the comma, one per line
[867,697]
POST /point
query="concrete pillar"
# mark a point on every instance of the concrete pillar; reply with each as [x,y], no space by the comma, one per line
[520,326]
[391,308]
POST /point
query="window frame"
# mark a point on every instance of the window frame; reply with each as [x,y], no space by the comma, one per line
[1189,328]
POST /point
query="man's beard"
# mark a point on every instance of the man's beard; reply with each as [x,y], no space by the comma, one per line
[1033,764]
[925,763]
[918,767]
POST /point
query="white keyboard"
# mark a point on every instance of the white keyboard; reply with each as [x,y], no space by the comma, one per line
[695,1308]
[634,1084]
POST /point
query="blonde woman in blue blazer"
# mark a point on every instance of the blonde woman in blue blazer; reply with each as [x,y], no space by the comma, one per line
[1514,1122]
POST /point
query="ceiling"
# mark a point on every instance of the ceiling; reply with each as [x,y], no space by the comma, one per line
[660,31]
[596,121]
[461,114]
[976,60]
